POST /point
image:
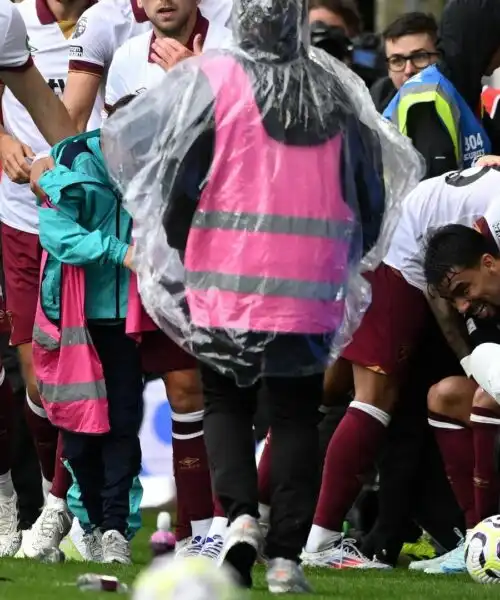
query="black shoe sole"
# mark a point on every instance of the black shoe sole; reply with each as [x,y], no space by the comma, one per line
[241,558]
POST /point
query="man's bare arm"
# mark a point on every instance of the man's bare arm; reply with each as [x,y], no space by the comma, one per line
[79,96]
[45,108]
[452,325]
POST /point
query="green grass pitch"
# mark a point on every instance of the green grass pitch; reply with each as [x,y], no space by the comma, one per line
[21,579]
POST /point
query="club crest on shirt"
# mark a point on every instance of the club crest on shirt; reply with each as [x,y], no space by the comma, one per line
[80,27]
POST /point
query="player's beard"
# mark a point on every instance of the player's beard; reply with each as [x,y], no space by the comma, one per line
[173,30]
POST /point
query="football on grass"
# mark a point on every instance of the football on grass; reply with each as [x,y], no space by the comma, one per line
[482,551]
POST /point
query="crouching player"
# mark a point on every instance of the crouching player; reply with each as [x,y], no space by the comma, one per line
[375,361]
[462,267]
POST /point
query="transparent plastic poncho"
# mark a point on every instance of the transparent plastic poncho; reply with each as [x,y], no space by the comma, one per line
[262,184]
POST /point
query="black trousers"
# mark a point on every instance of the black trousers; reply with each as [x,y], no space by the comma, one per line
[293,415]
[105,466]
[413,482]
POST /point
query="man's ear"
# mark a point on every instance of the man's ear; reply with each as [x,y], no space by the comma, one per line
[488,261]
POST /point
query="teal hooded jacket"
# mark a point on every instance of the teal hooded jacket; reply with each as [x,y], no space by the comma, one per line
[85,225]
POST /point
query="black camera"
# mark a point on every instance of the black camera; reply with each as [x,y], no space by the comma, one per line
[362,54]
[332,40]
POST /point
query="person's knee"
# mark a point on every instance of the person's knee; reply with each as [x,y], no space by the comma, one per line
[451,397]
[184,391]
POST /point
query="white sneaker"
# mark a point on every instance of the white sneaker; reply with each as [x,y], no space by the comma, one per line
[88,544]
[243,543]
[10,536]
[81,546]
[286,577]
[212,547]
[179,546]
[192,547]
[115,548]
[53,524]
[453,562]
[342,554]
[433,565]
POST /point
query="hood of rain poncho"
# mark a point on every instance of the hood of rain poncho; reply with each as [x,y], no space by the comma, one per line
[147,145]
[272,30]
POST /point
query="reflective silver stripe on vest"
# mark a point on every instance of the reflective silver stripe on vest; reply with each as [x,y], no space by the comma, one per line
[263,286]
[430,87]
[272,224]
[44,339]
[71,336]
[72,392]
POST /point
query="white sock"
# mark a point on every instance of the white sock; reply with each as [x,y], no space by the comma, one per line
[377,413]
[6,485]
[320,538]
[218,527]
[46,487]
[264,513]
[38,410]
[201,528]
[54,502]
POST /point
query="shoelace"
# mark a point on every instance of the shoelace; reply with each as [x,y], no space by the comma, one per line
[117,546]
[49,522]
[195,546]
[456,554]
[349,548]
[213,548]
[7,518]
[93,544]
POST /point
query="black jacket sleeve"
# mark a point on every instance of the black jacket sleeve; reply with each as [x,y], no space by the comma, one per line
[363,180]
[431,138]
[189,173]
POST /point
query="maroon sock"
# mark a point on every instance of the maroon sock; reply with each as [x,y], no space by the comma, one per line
[191,472]
[264,473]
[456,444]
[44,436]
[6,420]
[62,478]
[351,452]
[485,424]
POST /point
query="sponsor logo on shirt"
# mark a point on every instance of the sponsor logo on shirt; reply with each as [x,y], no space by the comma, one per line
[473,147]
[80,27]
[75,51]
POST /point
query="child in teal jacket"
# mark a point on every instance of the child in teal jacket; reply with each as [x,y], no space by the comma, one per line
[84,224]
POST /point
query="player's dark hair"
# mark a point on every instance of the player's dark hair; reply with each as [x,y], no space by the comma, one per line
[452,248]
[412,23]
[122,102]
[346,9]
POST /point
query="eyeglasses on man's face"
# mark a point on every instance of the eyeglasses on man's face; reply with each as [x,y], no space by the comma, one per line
[419,60]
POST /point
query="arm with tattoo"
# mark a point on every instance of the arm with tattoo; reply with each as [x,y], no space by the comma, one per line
[452,324]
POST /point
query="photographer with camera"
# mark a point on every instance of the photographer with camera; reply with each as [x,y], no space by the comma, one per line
[336,28]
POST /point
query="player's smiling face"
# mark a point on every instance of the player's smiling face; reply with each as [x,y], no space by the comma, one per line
[170,17]
[474,291]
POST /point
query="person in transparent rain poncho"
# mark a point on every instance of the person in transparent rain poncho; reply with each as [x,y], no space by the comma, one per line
[262,183]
